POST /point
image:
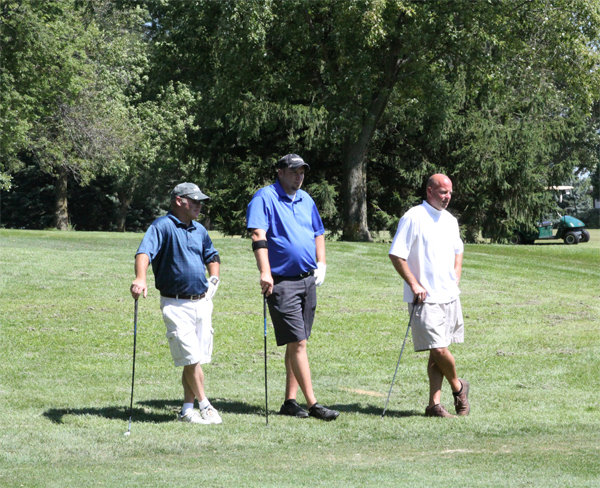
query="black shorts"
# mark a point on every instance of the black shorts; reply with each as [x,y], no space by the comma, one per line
[292,308]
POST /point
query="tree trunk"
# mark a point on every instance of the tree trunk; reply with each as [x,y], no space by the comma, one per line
[355,226]
[62,210]
[354,191]
[124,204]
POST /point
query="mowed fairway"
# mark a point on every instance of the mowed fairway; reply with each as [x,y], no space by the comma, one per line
[531,355]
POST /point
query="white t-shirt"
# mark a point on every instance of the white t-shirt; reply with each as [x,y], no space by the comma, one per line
[429,239]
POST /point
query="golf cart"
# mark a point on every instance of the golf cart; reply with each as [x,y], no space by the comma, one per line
[569,229]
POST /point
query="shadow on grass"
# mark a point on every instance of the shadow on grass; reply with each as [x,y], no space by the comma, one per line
[56,415]
[375,410]
[171,407]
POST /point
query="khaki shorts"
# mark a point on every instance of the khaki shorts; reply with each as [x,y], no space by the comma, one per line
[189,329]
[436,325]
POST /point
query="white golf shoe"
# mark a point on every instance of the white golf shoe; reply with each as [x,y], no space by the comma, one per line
[210,415]
[193,417]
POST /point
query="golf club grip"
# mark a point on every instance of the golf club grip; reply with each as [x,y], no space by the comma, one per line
[265,313]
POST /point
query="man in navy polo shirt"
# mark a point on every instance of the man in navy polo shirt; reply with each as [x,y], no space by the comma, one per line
[181,252]
[289,246]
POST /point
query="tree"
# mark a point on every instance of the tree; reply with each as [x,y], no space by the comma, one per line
[317,80]
[375,94]
[473,89]
[61,81]
[526,120]
[161,156]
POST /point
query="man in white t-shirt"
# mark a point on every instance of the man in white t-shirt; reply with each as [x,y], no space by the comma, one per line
[427,252]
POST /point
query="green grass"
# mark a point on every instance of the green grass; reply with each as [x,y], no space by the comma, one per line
[66,331]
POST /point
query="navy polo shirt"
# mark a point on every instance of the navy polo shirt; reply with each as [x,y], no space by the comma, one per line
[291,227]
[178,253]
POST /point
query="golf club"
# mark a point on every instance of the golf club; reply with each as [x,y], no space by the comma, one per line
[265,335]
[400,357]
[135,315]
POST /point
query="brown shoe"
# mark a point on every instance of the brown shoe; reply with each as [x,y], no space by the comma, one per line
[461,400]
[437,411]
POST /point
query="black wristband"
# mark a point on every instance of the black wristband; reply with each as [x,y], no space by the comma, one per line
[259,245]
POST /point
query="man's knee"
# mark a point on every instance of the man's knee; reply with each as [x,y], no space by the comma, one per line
[195,368]
[439,354]
[296,346]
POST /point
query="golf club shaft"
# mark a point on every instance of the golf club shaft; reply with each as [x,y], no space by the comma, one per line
[399,358]
[265,340]
[135,316]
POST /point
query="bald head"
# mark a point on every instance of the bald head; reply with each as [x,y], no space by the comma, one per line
[439,191]
[437,180]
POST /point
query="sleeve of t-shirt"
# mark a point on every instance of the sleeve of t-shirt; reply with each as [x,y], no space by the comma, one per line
[257,213]
[209,251]
[318,227]
[403,239]
[151,242]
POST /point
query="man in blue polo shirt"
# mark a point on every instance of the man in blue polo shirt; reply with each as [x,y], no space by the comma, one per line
[289,246]
[181,252]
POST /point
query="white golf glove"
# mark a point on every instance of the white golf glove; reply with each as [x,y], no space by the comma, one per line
[213,284]
[320,273]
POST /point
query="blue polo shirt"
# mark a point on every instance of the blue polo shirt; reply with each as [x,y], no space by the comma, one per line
[178,253]
[291,227]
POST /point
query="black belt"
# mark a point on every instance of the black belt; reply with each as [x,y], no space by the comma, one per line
[297,277]
[184,297]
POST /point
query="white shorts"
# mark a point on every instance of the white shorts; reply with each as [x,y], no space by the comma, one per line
[436,325]
[189,329]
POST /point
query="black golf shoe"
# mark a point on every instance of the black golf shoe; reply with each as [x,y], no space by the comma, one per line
[291,408]
[323,413]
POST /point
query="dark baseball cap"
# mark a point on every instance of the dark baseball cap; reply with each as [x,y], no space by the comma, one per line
[291,161]
[189,190]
